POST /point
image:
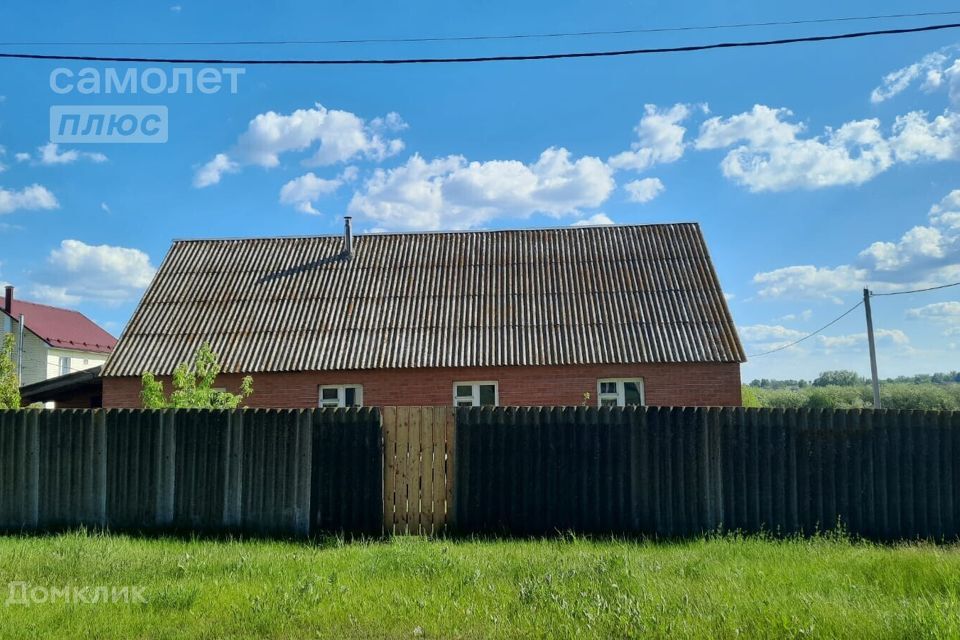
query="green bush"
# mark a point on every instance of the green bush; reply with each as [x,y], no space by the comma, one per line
[782,398]
[936,397]
[920,396]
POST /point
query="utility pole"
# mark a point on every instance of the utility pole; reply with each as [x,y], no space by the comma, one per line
[873,350]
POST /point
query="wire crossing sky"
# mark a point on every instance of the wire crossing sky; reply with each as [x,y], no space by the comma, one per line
[493,58]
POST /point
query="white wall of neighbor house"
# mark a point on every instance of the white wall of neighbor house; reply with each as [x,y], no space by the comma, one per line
[34,351]
[63,361]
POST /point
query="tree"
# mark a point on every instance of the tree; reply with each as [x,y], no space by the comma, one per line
[9,382]
[193,386]
[842,378]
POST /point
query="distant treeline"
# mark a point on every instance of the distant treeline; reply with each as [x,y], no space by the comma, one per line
[853,379]
[848,390]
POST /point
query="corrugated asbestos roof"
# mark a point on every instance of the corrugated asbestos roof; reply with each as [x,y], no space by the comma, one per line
[581,295]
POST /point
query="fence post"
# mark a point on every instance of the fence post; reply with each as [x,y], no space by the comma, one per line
[304,471]
[32,485]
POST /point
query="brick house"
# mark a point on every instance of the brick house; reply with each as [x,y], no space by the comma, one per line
[626,314]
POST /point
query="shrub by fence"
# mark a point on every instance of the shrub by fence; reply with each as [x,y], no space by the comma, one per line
[667,471]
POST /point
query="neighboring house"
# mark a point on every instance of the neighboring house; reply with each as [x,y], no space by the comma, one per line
[603,315]
[56,341]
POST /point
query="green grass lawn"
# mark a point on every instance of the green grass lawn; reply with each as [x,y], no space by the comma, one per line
[553,588]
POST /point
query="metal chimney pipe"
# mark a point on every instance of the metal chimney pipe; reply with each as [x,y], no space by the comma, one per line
[8,299]
[347,236]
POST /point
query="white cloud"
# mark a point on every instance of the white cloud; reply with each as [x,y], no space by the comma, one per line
[917,138]
[452,193]
[808,281]
[803,316]
[338,136]
[33,198]
[176,8]
[859,340]
[77,271]
[771,155]
[22,157]
[211,172]
[944,313]
[644,190]
[303,192]
[934,71]
[925,255]
[766,332]
[765,337]
[659,139]
[105,207]
[50,154]
[595,220]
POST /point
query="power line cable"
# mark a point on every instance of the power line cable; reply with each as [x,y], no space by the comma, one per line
[809,335]
[512,36]
[492,58]
[900,293]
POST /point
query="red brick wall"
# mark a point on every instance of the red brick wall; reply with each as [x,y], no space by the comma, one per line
[698,384]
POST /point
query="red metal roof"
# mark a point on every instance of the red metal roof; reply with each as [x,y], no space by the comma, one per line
[62,328]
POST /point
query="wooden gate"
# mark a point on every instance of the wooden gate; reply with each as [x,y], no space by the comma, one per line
[418,469]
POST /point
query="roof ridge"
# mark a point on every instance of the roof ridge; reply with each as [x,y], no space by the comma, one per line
[375,234]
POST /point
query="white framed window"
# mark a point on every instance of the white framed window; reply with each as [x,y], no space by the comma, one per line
[619,392]
[476,394]
[341,395]
[64,365]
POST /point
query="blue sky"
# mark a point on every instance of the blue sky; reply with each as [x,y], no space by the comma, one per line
[811,174]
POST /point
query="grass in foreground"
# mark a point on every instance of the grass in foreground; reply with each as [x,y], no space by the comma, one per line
[410,587]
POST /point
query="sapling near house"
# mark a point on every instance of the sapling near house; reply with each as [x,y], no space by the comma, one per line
[9,385]
[193,386]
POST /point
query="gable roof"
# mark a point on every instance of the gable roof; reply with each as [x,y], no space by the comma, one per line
[579,295]
[62,328]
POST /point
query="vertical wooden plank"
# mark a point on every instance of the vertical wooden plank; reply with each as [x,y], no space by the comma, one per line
[424,417]
[412,470]
[438,469]
[403,465]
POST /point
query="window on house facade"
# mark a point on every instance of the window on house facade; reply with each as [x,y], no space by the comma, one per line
[619,392]
[475,394]
[64,365]
[341,395]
